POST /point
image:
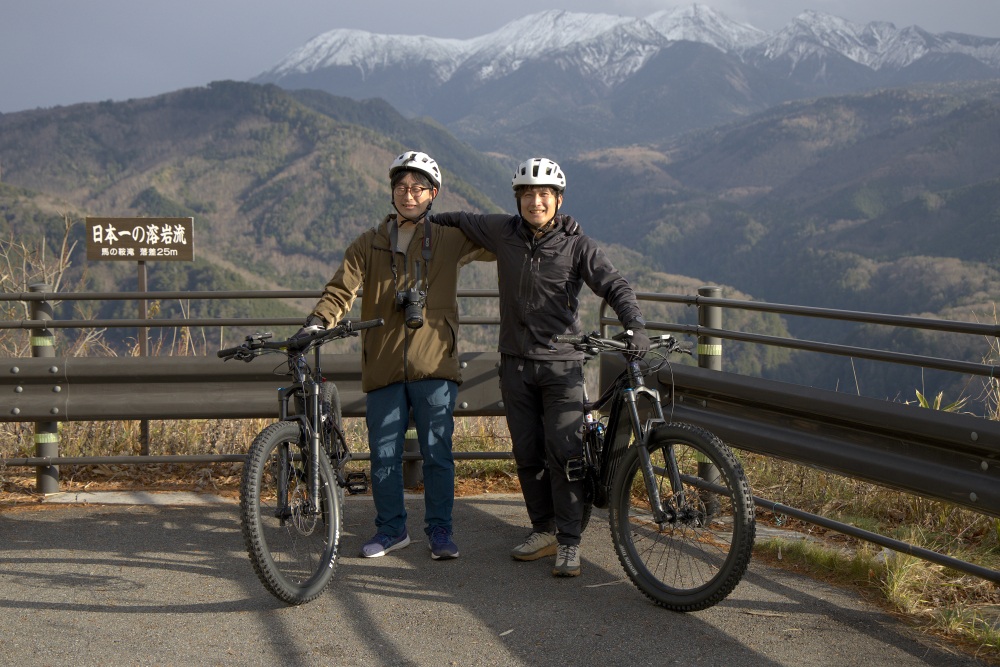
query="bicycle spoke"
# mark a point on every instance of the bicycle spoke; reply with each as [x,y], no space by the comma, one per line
[697,555]
[291,537]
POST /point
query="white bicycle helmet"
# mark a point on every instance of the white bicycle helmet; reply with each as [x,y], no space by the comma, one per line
[417,161]
[539,171]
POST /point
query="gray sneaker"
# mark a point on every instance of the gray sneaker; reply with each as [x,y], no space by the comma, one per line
[567,561]
[538,545]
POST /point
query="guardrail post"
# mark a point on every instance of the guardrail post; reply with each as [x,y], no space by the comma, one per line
[710,347]
[143,336]
[46,433]
[709,356]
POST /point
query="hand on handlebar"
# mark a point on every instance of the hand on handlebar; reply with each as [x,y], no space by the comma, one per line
[638,343]
[312,325]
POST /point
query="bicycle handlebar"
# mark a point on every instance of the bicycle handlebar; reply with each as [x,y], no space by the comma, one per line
[257,343]
[595,342]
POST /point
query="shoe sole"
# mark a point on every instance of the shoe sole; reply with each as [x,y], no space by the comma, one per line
[541,553]
[398,545]
[556,572]
[435,556]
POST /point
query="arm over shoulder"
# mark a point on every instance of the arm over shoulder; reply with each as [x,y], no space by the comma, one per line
[483,230]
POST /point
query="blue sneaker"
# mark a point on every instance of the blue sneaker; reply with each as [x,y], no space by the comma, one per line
[381,544]
[441,544]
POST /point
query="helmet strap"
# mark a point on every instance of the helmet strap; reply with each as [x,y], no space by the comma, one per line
[419,217]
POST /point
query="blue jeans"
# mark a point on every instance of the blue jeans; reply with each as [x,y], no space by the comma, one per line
[388,417]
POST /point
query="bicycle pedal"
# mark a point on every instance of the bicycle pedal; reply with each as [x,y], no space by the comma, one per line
[357,482]
[576,469]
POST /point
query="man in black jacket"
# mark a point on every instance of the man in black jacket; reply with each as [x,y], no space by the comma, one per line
[543,261]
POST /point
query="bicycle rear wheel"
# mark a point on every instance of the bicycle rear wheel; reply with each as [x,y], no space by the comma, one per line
[698,555]
[335,443]
[292,541]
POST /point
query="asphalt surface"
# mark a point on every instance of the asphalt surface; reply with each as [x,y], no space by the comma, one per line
[155,584]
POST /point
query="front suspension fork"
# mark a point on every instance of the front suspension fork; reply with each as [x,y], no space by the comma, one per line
[315,446]
[641,436]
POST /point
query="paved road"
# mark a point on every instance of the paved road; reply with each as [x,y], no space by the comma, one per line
[171,585]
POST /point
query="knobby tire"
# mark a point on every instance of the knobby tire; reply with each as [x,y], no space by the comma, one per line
[697,557]
[293,551]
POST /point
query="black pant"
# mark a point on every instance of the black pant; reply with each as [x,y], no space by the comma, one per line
[544,405]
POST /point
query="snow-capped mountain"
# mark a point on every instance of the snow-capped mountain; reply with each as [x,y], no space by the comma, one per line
[368,52]
[876,45]
[591,71]
[600,46]
[491,56]
[698,23]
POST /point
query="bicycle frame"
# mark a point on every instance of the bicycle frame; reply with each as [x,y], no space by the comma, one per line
[703,539]
[307,384]
[625,396]
[291,492]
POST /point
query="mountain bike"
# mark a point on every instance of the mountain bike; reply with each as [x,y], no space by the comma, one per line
[292,488]
[679,505]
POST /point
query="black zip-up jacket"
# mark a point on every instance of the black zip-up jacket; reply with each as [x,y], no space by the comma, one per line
[540,282]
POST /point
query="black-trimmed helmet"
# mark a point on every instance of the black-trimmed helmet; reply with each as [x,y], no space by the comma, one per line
[539,171]
[417,161]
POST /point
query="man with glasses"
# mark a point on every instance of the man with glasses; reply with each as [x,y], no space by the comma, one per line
[408,270]
[543,261]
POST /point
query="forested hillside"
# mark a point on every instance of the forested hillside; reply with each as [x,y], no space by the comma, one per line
[884,201]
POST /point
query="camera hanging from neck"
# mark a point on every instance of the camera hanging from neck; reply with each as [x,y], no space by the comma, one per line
[411,299]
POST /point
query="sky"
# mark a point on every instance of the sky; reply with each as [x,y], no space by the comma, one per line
[62,52]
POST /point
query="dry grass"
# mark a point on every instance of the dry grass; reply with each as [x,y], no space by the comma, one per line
[944,602]
[211,437]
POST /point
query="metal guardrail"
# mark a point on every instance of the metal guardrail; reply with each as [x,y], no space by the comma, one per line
[129,388]
[955,458]
[946,456]
[950,457]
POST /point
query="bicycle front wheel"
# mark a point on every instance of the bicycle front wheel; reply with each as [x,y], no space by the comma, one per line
[698,553]
[291,537]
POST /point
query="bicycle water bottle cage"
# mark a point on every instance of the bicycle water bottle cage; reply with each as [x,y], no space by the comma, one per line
[576,469]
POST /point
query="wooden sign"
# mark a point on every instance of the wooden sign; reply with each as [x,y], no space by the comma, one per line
[140,239]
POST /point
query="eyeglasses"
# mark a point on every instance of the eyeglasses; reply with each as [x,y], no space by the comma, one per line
[416,190]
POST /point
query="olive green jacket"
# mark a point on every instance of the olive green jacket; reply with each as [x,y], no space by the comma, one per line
[393,352]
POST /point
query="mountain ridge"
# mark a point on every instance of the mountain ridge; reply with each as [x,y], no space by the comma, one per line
[513,87]
[876,44]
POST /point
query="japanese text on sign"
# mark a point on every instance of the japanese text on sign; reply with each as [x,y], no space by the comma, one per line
[140,239]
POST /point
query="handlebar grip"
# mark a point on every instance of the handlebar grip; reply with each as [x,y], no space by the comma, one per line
[345,328]
[228,352]
[367,324]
